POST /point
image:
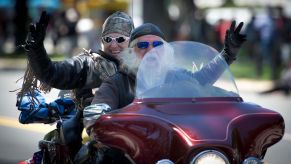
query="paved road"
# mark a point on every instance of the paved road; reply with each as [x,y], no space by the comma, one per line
[18,141]
[280,152]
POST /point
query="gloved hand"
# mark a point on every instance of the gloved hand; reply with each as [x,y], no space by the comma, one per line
[233,41]
[37,32]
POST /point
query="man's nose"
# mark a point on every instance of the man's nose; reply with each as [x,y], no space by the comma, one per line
[150,47]
[113,43]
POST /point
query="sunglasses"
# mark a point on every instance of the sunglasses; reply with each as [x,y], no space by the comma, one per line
[145,45]
[109,39]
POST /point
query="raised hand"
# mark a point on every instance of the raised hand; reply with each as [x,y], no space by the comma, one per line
[37,32]
[233,41]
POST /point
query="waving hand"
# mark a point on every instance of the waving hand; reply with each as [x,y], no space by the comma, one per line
[37,32]
[233,41]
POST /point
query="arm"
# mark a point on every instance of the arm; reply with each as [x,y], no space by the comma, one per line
[205,76]
[232,43]
[213,70]
[71,73]
[68,74]
[55,74]
[105,99]
[108,93]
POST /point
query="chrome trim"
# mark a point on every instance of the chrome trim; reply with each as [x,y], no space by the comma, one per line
[165,161]
[252,160]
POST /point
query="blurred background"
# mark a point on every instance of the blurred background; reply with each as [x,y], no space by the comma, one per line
[264,60]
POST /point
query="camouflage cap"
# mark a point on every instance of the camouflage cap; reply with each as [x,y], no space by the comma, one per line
[118,22]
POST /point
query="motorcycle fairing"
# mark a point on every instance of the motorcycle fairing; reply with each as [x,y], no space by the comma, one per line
[150,131]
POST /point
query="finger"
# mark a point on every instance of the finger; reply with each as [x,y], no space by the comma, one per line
[239,27]
[37,27]
[32,27]
[232,26]
[42,17]
[43,22]
[46,20]
[226,35]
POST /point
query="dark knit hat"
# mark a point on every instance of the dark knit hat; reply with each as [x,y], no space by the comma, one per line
[118,22]
[146,29]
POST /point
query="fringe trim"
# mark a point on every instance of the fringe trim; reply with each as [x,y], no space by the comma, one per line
[30,85]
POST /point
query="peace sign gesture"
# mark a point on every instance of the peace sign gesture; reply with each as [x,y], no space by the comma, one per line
[233,41]
[37,32]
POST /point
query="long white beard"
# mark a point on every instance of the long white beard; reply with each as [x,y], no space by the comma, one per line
[130,59]
[154,67]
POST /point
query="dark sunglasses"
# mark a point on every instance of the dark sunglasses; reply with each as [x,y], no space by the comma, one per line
[109,39]
[145,45]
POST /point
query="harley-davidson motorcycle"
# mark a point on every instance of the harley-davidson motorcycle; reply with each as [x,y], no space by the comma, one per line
[187,109]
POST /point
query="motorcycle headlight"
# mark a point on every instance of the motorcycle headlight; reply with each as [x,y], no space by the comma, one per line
[210,156]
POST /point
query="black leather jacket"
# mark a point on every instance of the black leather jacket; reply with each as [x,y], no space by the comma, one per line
[117,91]
[86,70]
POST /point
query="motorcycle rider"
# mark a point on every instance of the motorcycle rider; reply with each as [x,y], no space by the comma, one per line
[119,90]
[85,71]
[81,73]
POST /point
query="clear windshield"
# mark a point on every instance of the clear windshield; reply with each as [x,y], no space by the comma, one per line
[184,70]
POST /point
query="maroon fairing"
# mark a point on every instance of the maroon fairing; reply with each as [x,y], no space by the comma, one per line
[177,129]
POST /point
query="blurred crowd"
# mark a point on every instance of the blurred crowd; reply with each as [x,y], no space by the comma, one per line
[269,41]
[268,34]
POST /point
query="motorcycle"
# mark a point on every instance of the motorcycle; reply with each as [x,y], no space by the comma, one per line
[201,119]
[187,109]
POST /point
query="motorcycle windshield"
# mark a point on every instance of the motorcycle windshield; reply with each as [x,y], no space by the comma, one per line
[184,70]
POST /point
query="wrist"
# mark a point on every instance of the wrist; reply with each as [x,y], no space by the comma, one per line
[227,56]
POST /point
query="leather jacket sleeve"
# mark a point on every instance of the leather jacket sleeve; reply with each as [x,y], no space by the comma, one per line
[83,71]
[116,91]
[108,93]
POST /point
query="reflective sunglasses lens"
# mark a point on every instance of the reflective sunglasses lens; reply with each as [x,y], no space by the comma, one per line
[120,39]
[157,43]
[142,45]
[107,39]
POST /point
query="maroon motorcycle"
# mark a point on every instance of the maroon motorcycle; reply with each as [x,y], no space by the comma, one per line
[188,110]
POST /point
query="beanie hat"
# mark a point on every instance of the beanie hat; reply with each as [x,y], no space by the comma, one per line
[146,29]
[118,22]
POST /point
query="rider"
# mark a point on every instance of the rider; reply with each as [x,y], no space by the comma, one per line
[119,90]
[84,71]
